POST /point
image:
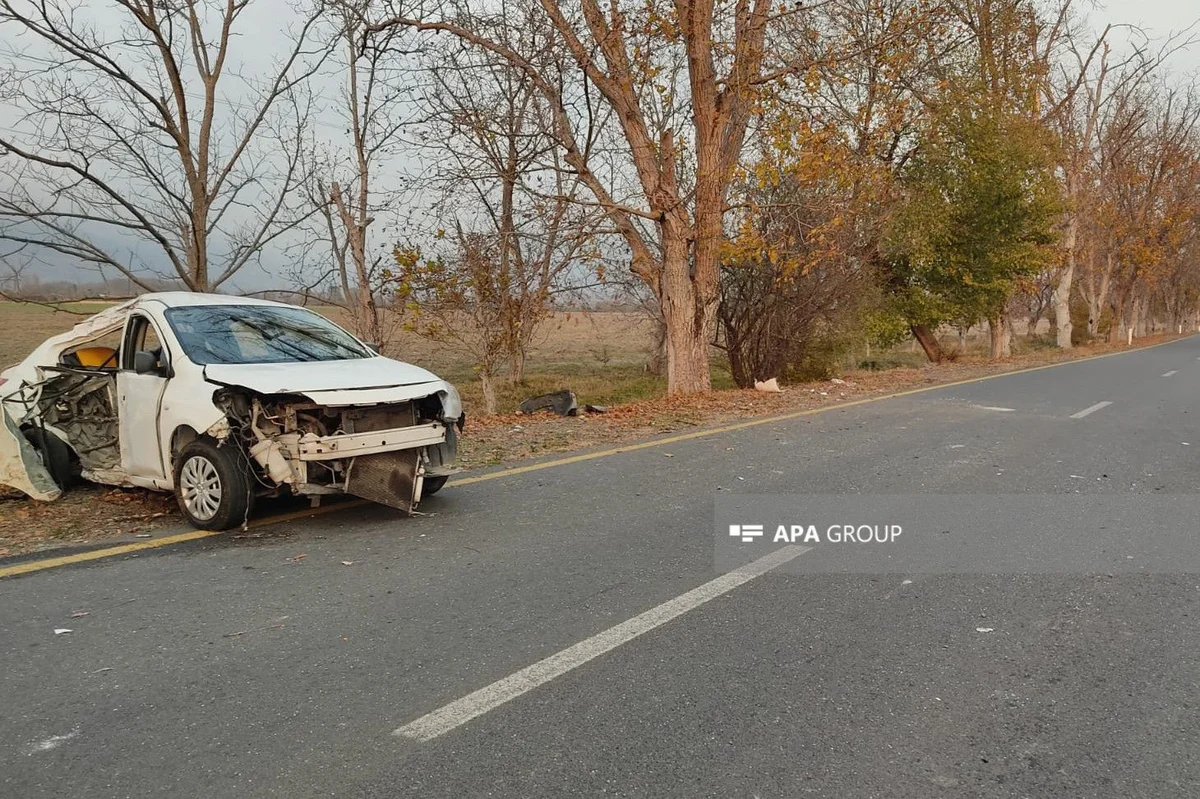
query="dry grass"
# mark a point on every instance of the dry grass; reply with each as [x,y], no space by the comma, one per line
[23,327]
[599,355]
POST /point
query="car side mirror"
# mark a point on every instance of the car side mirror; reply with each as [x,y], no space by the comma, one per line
[145,363]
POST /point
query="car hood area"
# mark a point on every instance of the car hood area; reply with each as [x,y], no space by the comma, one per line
[361,381]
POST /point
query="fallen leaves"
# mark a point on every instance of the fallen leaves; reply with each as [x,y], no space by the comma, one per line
[85,513]
[506,438]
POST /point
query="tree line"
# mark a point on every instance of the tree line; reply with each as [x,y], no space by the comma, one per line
[774,180]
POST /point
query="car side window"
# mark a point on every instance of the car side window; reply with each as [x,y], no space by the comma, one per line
[140,336]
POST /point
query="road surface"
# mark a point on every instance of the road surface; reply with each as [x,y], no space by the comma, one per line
[563,632]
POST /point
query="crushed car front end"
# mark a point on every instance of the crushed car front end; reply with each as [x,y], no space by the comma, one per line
[225,400]
[390,445]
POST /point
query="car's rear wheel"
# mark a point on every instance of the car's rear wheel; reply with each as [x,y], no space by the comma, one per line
[213,485]
[55,455]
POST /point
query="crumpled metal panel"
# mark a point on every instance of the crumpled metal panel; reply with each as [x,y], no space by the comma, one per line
[21,467]
[84,407]
[389,478]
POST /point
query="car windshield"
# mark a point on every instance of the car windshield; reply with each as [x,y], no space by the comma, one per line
[260,334]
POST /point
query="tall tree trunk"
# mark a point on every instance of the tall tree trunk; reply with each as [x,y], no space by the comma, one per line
[1000,333]
[657,361]
[1097,301]
[929,342]
[488,385]
[516,365]
[354,223]
[1062,291]
[1117,328]
[690,317]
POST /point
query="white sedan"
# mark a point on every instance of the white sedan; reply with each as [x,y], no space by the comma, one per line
[222,400]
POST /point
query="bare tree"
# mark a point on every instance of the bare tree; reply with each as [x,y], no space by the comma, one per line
[681,80]
[501,175]
[146,142]
[344,187]
[519,237]
[1085,83]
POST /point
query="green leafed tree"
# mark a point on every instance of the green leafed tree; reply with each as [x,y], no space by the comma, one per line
[979,218]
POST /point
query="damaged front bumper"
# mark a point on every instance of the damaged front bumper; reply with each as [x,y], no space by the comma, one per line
[381,453]
[318,448]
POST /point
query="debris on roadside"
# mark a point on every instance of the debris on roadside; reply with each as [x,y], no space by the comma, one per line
[62,631]
[79,614]
[769,386]
[595,408]
[985,629]
[560,402]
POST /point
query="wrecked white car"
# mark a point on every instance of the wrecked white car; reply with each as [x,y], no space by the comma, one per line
[222,400]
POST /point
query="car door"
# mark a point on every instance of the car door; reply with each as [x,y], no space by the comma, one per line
[140,386]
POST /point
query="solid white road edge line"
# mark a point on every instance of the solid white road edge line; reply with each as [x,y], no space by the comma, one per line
[459,712]
[1168,374]
[1092,409]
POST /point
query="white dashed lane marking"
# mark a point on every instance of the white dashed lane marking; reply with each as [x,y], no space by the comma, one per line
[1090,410]
[459,712]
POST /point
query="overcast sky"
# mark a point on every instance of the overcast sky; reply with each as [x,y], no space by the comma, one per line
[1158,19]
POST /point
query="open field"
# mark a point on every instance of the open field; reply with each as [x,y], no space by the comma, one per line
[601,356]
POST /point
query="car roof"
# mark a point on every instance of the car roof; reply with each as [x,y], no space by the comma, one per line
[178,299]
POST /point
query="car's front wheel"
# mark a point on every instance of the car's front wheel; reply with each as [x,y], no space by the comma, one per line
[432,485]
[213,485]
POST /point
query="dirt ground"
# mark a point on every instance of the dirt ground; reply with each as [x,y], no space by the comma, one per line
[90,514]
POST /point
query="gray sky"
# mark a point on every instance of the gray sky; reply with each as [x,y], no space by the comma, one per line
[1158,18]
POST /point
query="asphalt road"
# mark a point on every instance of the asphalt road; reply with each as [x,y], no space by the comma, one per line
[234,667]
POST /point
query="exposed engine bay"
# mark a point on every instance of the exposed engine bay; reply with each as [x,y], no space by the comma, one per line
[316,449]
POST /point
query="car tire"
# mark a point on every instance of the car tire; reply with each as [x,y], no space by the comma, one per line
[432,485]
[213,485]
[55,455]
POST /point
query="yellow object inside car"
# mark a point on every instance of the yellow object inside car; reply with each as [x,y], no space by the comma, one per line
[96,357]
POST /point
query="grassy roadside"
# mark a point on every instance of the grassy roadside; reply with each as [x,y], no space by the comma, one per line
[505,439]
[93,514]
